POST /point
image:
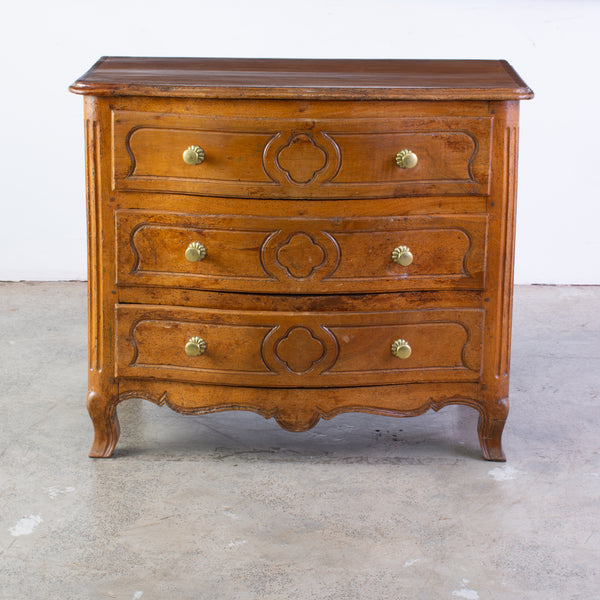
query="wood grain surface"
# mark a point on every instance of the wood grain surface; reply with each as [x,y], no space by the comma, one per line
[293,349]
[290,78]
[314,255]
[305,153]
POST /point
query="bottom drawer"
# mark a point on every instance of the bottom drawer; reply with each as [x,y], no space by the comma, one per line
[298,349]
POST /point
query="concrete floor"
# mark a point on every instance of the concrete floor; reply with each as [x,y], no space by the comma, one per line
[229,506]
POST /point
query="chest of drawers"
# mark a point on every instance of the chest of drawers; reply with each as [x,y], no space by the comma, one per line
[300,238]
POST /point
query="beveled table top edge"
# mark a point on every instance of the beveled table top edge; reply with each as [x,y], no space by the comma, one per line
[319,79]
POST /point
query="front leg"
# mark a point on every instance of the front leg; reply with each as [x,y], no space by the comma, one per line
[103,412]
[490,427]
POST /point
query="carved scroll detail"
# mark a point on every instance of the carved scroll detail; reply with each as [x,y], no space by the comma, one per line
[300,255]
[300,350]
[301,158]
[299,417]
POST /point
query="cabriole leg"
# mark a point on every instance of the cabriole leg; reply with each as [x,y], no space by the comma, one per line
[103,412]
[490,427]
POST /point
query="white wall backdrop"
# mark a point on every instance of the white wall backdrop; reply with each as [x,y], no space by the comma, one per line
[44,46]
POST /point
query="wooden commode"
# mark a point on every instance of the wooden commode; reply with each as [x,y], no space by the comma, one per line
[300,238]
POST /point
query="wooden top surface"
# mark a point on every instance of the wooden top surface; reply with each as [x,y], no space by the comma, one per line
[309,78]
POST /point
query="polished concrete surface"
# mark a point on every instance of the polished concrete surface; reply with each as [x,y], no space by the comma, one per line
[229,506]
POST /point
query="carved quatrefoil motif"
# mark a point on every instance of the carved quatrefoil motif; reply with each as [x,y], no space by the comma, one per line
[299,350]
[300,255]
[301,159]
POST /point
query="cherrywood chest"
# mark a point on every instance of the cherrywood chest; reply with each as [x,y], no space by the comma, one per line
[300,238]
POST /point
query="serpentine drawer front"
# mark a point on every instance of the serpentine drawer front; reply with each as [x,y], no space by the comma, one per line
[312,256]
[300,238]
[313,156]
[289,349]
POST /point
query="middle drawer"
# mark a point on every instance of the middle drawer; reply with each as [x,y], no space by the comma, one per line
[300,255]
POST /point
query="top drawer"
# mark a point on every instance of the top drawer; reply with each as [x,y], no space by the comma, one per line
[301,157]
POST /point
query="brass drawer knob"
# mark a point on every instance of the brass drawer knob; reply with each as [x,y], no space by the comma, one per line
[195,346]
[406,159]
[401,349]
[195,252]
[194,155]
[402,255]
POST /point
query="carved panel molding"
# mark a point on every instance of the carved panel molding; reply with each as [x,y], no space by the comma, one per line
[300,255]
[300,350]
[301,158]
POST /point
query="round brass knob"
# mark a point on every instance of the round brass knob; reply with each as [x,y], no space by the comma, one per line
[401,349]
[195,346]
[195,252]
[194,155]
[406,159]
[402,255]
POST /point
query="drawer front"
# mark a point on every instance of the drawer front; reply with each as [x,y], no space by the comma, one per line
[301,157]
[300,256]
[288,349]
